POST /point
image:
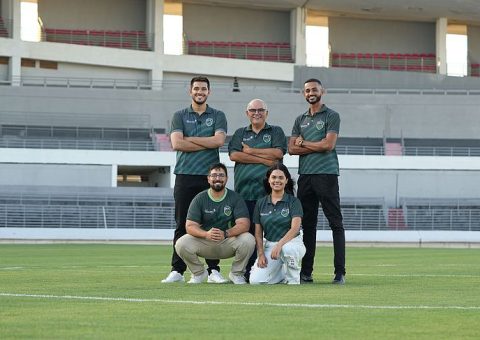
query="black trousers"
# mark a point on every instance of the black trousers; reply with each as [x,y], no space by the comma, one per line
[312,190]
[186,188]
[251,261]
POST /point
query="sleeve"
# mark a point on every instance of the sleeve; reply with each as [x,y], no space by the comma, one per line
[279,140]
[240,209]
[296,128]
[235,143]
[195,210]
[296,209]
[333,124]
[177,123]
[221,122]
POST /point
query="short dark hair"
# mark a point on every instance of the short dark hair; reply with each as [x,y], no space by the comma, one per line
[313,80]
[290,183]
[218,166]
[202,79]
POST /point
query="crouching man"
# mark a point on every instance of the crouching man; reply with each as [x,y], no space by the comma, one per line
[217,228]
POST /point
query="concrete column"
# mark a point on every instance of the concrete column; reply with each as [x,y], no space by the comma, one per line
[15,70]
[155,27]
[17,19]
[297,35]
[441,45]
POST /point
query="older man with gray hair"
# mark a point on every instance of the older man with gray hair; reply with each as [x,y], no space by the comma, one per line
[254,149]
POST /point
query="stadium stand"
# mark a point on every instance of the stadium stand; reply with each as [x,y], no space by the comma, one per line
[134,40]
[265,51]
[442,214]
[414,62]
[88,207]
[92,138]
[475,70]
[441,147]
[359,214]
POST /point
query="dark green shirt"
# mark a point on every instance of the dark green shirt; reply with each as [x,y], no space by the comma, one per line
[191,124]
[276,220]
[315,128]
[220,214]
[248,178]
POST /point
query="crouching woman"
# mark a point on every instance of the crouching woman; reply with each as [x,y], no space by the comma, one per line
[278,219]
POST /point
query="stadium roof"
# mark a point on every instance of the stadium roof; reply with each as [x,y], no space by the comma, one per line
[456,11]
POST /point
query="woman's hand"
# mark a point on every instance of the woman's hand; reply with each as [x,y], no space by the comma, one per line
[276,252]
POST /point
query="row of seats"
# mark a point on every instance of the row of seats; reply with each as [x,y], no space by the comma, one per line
[475,70]
[267,51]
[136,40]
[3,29]
[415,62]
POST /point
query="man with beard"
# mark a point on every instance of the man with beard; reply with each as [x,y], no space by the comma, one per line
[217,227]
[196,134]
[314,136]
[254,149]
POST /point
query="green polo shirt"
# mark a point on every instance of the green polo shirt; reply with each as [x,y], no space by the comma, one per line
[248,178]
[276,220]
[191,124]
[315,128]
[220,214]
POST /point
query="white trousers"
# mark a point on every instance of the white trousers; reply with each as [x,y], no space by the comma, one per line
[285,269]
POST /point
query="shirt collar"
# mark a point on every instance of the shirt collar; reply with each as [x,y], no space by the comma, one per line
[322,109]
[207,110]
[283,199]
[266,127]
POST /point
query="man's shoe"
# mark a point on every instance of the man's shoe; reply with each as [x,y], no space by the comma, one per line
[237,279]
[306,278]
[198,278]
[339,279]
[174,276]
[216,277]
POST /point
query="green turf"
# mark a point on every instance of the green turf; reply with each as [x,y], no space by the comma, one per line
[430,284]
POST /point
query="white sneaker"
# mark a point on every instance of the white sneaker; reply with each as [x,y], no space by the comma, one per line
[198,278]
[174,276]
[216,277]
[237,279]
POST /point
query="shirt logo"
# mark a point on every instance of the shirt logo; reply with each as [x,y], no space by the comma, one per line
[227,210]
[285,212]
[209,211]
[267,138]
[209,121]
[265,213]
[190,121]
[320,124]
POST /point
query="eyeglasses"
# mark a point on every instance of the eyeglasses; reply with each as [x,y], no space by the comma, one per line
[217,176]
[256,110]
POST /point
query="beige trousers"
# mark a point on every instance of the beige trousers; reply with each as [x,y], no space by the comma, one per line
[240,247]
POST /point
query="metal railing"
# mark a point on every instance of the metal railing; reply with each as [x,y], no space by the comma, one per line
[451,151]
[264,51]
[443,219]
[80,144]
[134,40]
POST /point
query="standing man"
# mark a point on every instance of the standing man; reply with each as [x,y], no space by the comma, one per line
[254,149]
[314,136]
[196,134]
[217,227]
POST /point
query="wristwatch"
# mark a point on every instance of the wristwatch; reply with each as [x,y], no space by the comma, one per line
[225,233]
[301,142]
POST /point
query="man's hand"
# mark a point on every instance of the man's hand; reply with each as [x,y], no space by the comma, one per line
[299,141]
[262,261]
[215,234]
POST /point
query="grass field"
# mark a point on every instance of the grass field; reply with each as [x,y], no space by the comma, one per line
[65,291]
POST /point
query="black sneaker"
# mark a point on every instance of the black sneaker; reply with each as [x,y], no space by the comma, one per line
[306,278]
[339,279]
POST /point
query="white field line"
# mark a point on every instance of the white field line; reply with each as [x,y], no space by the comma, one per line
[230,303]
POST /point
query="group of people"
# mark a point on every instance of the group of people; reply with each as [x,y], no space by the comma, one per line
[269,233]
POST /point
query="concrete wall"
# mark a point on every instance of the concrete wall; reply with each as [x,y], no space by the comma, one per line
[71,70]
[216,23]
[92,14]
[473,33]
[350,35]
[347,78]
[56,174]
